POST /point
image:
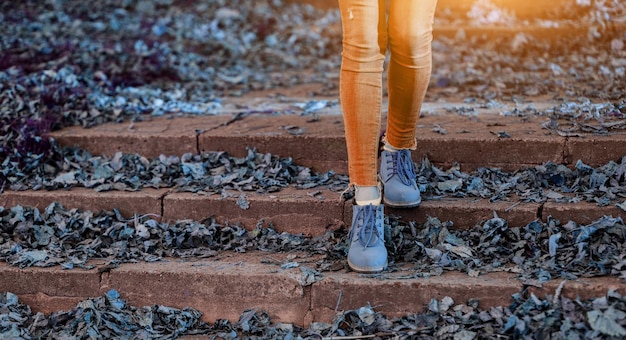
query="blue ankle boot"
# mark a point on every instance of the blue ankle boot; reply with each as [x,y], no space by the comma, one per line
[397,173]
[367,252]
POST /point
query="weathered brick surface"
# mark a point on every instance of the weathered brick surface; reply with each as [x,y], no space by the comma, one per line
[297,211]
[488,140]
[596,150]
[320,146]
[225,286]
[321,153]
[289,210]
[539,32]
[472,142]
[46,304]
[397,297]
[533,9]
[464,213]
[221,289]
[147,201]
[473,153]
[581,212]
[149,138]
[583,288]
[50,281]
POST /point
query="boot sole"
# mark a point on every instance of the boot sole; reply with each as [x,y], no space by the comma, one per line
[367,270]
[401,205]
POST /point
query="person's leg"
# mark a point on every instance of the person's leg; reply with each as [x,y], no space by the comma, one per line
[410,67]
[360,85]
[410,38]
[364,48]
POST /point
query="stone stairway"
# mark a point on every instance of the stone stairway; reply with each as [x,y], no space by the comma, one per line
[227,284]
[470,142]
[224,286]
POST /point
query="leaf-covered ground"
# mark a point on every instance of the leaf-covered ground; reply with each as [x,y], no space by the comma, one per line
[537,252]
[70,62]
[109,316]
[65,63]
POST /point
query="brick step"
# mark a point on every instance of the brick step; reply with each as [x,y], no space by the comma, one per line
[463,5]
[521,9]
[543,20]
[471,141]
[225,286]
[547,33]
[299,211]
[484,138]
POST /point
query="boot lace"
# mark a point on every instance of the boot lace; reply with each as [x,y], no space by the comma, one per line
[367,215]
[401,165]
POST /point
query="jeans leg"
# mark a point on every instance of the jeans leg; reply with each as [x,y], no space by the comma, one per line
[364,47]
[410,66]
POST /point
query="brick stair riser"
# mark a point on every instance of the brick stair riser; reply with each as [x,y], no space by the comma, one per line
[296,212]
[470,144]
[328,153]
[521,9]
[224,287]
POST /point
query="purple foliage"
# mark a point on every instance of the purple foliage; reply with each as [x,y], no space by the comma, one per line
[26,143]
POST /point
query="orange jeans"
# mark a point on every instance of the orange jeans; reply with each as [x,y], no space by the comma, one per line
[367,35]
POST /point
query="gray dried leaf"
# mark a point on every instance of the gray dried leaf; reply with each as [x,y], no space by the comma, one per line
[446,303]
[473,273]
[450,185]
[66,179]
[607,322]
[465,335]
[367,315]
[462,251]
[196,170]
[29,258]
[142,231]
[294,130]
[243,202]
[447,330]
[289,265]
[621,205]
[440,130]
[309,276]
[312,106]
[553,244]
[434,254]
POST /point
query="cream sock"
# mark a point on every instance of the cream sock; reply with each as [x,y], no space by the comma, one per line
[388,147]
[365,195]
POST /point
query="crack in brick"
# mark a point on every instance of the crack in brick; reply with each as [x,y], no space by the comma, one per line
[162,201]
[103,280]
[308,292]
[343,213]
[198,133]
[564,152]
[540,212]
